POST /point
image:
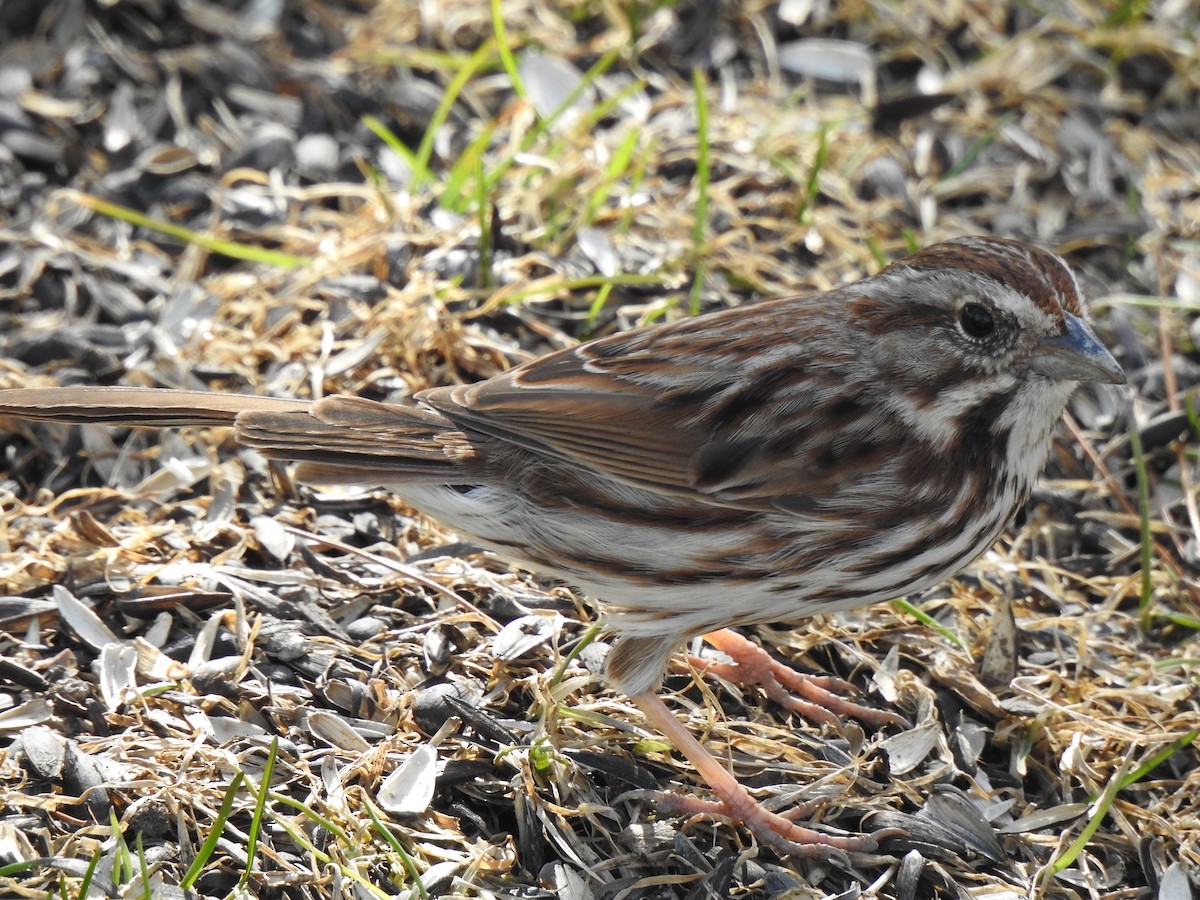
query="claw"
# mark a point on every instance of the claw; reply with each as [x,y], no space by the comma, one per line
[810,696]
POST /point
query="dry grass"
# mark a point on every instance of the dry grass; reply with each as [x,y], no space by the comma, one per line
[254,624]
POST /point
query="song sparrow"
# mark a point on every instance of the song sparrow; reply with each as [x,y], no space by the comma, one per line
[759,464]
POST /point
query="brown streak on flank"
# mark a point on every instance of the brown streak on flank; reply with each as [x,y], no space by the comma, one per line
[874,565]
[550,487]
[650,575]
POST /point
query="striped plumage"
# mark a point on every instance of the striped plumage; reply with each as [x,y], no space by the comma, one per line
[764,463]
[761,464]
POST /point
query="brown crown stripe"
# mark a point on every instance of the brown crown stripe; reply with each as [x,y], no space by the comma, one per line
[1019,266]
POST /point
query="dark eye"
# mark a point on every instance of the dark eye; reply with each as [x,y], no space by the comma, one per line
[977,320]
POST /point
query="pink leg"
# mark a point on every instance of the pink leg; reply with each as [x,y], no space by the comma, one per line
[786,686]
[735,802]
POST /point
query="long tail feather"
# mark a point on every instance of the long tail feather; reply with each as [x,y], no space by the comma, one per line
[132,406]
[360,437]
[338,439]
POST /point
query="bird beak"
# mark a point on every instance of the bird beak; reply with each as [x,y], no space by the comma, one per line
[1076,355]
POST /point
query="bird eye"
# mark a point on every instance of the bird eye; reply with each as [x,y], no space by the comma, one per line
[977,320]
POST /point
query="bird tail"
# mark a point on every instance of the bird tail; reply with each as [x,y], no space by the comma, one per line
[335,440]
[351,440]
[135,407]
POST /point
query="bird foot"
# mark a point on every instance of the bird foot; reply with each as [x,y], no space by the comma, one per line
[776,830]
[818,698]
[735,804]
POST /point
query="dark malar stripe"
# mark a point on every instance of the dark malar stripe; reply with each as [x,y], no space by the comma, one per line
[979,449]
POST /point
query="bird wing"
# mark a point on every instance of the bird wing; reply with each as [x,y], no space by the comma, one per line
[695,408]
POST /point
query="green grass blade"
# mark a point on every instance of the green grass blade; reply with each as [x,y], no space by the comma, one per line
[260,805]
[385,134]
[484,207]
[588,636]
[1129,12]
[122,870]
[469,164]
[1189,406]
[1099,810]
[602,65]
[392,841]
[464,74]
[505,51]
[231,249]
[616,169]
[143,869]
[703,162]
[978,147]
[597,305]
[876,251]
[85,885]
[554,284]
[928,621]
[301,840]
[210,842]
[1160,756]
[1189,622]
[808,201]
[21,867]
[542,125]
[312,815]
